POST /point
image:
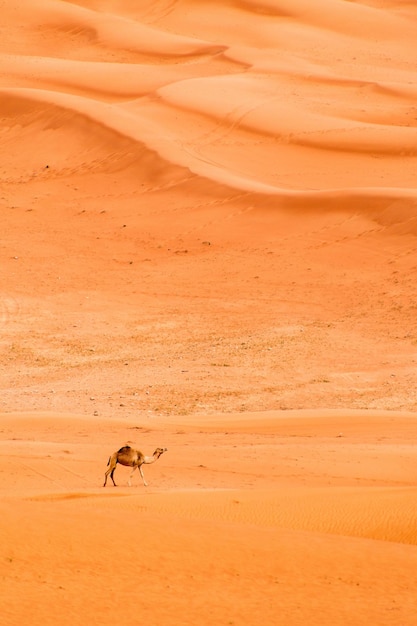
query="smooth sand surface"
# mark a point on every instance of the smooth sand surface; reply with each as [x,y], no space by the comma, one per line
[208,243]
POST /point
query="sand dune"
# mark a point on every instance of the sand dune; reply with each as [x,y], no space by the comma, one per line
[209,213]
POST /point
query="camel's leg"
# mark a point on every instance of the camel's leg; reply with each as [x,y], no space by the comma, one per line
[105,477]
[110,473]
[112,466]
[130,477]
[143,477]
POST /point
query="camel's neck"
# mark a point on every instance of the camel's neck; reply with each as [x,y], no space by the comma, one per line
[150,459]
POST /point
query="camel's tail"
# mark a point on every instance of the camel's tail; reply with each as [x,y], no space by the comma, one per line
[108,462]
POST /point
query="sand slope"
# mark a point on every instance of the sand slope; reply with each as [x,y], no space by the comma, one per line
[208,236]
[282,516]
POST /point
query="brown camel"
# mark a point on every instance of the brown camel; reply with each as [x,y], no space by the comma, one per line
[132,458]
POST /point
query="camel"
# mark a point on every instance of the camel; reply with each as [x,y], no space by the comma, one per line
[131,458]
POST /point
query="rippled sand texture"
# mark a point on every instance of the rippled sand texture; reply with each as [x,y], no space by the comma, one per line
[220,194]
[208,242]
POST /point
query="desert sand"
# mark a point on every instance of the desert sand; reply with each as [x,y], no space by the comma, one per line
[208,243]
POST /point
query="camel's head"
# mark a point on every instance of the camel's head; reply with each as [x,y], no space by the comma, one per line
[160,451]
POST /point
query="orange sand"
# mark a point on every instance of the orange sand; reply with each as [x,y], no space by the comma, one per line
[208,243]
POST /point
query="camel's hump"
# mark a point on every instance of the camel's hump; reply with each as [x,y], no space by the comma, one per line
[124,449]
